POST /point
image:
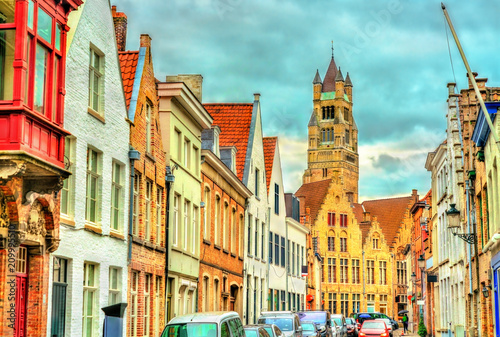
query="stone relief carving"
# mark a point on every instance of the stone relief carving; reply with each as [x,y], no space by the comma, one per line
[4,215]
[36,221]
[10,168]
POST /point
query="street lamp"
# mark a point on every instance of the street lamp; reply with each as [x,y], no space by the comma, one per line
[413,278]
[453,215]
[421,262]
[486,291]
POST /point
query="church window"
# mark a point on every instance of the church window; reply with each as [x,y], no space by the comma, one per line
[347,137]
[325,172]
[324,112]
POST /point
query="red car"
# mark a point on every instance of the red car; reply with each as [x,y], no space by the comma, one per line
[371,328]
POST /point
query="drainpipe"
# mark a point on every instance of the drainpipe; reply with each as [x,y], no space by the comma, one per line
[133,155]
[363,269]
[169,180]
[267,258]
[287,261]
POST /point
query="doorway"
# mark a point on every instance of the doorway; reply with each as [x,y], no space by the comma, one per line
[21,291]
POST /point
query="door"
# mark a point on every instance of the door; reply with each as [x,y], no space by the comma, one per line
[59,286]
[21,292]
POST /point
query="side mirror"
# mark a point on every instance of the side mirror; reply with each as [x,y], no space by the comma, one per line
[299,329]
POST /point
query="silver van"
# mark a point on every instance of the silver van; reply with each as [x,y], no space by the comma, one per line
[207,324]
[287,321]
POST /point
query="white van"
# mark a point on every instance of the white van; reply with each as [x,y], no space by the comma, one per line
[207,324]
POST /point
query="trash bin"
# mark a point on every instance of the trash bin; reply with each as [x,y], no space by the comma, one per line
[113,321]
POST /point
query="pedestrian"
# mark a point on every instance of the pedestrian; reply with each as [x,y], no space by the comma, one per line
[405,323]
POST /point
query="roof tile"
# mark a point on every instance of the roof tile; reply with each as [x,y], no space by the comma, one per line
[313,193]
[128,64]
[269,150]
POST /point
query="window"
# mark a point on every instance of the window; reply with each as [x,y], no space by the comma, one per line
[343,244]
[147,304]
[356,302]
[193,229]
[178,141]
[383,304]
[343,271]
[276,199]
[187,153]
[375,243]
[257,182]
[270,247]
[383,272]
[332,302]
[283,252]
[216,295]
[205,294]
[241,229]
[249,234]
[256,238]
[293,258]
[217,221]
[332,271]
[93,181]
[147,215]
[159,207]
[135,214]
[175,225]
[276,249]
[370,267]
[90,302]
[206,215]
[234,227]
[68,186]
[158,296]
[355,271]
[343,220]
[371,303]
[116,196]
[263,236]
[401,271]
[186,224]
[225,227]
[134,287]
[96,69]
[331,219]
[344,304]
[147,109]
[114,285]
[347,137]
[331,243]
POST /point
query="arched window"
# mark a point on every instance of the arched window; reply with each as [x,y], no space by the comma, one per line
[343,241]
[376,241]
[331,241]
[206,214]
[324,113]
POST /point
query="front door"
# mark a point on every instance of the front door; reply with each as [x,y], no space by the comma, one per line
[21,292]
[59,297]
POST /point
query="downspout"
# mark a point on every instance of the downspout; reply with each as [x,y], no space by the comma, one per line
[133,155]
[169,180]
[287,262]
[363,268]
[269,296]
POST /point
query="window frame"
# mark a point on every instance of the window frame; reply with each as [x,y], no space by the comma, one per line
[159,208]
[116,197]
[147,212]
[94,74]
[136,203]
[114,292]
[98,180]
[87,290]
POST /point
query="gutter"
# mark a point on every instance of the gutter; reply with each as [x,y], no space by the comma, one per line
[169,180]
[133,155]
[493,240]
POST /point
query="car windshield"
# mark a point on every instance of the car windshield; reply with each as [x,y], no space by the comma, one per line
[251,333]
[349,321]
[285,324]
[190,330]
[316,317]
[308,326]
[338,321]
[373,325]
[269,330]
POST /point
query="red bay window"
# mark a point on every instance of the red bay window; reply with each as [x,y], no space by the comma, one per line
[32,62]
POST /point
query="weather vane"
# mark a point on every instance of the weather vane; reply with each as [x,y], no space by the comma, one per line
[332,48]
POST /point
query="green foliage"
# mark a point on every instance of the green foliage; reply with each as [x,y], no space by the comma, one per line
[422,330]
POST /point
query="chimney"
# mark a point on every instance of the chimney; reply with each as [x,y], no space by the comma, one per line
[145,41]
[414,194]
[193,82]
[470,83]
[120,22]
[256,97]
[451,89]
[366,216]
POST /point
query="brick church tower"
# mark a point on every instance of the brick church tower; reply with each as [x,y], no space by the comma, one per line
[333,134]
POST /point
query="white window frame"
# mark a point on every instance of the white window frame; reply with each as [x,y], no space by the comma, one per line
[233,231]
[136,204]
[134,290]
[67,192]
[147,107]
[206,214]
[217,220]
[194,225]
[225,226]
[148,278]
[158,296]
[114,279]
[93,177]
[147,212]
[186,223]
[96,74]
[175,218]
[116,197]
[90,294]
[159,207]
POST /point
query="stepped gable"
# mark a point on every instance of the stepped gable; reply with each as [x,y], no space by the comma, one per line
[234,121]
[390,213]
[312,195]
[128,64]
[269,150]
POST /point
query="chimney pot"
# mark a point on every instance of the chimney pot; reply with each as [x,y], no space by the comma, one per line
[256,97]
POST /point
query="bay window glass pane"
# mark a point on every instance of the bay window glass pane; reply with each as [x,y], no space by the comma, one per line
[44,25]
[7,11]
[54,88]
[31,10]
[7,45]
[42,56]
[28,63]
[58,37]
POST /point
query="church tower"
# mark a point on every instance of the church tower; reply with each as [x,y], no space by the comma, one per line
[333,135]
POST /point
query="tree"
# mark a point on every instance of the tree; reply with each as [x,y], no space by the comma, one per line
[422,330]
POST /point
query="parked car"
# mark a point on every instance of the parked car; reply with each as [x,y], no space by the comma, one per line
[335,328]
[352,327]
[255,331]
[273,330]
[341,325]
[387,323]
[322,319]
[309,328]
[373,315]
[373,328]
[208,324]
[287,321]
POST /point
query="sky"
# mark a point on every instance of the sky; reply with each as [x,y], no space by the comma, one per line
[396,53]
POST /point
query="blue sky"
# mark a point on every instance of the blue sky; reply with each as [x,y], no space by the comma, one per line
[396,53]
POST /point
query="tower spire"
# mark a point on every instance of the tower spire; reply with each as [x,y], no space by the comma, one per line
[332,48]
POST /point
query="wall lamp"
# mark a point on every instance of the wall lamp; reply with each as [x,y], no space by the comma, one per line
[453,216]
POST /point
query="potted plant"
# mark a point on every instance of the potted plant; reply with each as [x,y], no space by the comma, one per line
[422,330]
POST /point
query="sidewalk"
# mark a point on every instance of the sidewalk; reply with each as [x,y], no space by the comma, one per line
[398,333]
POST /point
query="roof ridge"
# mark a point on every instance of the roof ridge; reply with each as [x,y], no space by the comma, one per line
[393,198]
[128,52]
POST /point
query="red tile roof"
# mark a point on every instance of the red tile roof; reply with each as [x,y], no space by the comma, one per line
[312,195]
[389,213]
[234,120]
[128,64]
[329,79]
[358,211]
[269,149]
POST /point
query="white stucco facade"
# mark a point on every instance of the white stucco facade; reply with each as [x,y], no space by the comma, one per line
[93,241]
[255,270]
